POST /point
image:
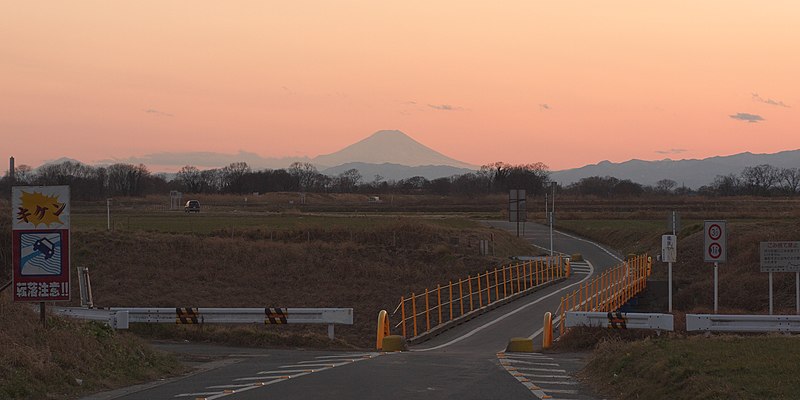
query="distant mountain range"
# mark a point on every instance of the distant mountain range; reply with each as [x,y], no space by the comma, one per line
[690,173]
[394,155]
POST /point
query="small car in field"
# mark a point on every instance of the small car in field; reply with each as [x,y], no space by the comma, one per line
[192,206]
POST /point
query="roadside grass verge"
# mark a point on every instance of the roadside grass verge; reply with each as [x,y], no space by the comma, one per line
[69,358]
[696,367]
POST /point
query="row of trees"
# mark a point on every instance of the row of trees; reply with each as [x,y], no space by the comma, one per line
[238,178]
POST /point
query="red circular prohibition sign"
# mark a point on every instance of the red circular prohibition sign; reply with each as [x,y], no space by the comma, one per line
[714,232]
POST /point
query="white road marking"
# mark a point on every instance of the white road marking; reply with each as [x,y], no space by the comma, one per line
[328,365]
[541,369]
[592,243]
[564,391]
[197,394]
[287,371]
[232,386]
[549,376]
[557,318]
[360,355]
[264,378]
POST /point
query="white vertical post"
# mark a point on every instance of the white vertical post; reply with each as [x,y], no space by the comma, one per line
[552,216]
[108,214]
[670,287]
[330,331]
[770,292]
[716,287]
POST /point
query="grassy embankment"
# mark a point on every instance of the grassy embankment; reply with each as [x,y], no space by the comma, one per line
[694,367]
[69,358]
[226,257]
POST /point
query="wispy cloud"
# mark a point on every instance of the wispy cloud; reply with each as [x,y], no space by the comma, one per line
[771,102]
[153,111]
[544,107]
[445,107]
[752,118]
[671,151]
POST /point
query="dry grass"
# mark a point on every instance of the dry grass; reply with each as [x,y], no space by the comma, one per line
[695,367]
[69,358]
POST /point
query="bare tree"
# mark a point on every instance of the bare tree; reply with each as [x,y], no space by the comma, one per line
[665,185]
[790,180]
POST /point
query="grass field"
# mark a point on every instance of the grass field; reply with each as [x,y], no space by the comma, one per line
[696,367]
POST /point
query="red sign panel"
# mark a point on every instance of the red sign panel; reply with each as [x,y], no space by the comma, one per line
[41,265]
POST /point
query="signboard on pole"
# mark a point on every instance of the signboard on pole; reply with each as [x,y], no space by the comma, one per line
[40,243]
[780,256]
[715,242]
[669,248]
[517,211]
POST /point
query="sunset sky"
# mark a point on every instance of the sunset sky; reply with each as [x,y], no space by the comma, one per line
[561,82]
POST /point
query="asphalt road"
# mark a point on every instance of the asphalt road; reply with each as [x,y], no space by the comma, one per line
[465,362]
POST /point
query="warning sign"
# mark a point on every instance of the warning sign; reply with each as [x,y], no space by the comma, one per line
[40,243]
[780,256]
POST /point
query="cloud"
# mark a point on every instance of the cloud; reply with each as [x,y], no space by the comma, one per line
[445,107]
[747,117]
[771,102]
[544,107]
[671,151]
[204,160]
[153,111]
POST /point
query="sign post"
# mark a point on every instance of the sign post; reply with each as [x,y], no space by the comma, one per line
[40,244]
[715,250]
[669,254]
[781,257]
[517,209]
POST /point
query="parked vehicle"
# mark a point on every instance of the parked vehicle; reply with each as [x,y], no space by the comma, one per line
[192,206]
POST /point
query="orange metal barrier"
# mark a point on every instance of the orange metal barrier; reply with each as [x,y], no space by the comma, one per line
[609,291]
[456,299]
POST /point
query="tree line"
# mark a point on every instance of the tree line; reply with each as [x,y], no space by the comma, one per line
[91,183]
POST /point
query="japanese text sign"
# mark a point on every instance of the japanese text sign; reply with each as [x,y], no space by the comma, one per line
[40,243]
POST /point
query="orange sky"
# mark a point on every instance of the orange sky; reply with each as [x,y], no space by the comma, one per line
[95,80]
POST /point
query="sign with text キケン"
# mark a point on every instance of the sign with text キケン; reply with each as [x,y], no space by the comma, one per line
[40,243]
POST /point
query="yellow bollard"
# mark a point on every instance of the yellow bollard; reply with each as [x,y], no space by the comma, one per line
[383,329]
[547,332]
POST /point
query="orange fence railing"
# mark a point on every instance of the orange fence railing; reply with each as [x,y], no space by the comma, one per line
[421,312]
[608,291]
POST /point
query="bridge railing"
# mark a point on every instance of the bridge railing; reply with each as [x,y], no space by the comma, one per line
[608,291]
[421,312]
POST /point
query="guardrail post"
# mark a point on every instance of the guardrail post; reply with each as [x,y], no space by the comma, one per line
[414,311]
[505,293]
[488,290]
[439,301]
[480,294]
[496,286]
[519,288]
[469,286]
[547,332]
[427,312]
[460,297]
[450,290]
[403,315]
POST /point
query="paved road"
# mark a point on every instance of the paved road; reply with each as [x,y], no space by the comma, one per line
[465,362]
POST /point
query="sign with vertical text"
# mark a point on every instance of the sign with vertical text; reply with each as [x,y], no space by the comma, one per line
[669,248]
[40,243]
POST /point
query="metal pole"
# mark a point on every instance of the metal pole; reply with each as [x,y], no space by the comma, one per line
[797,292]
[108,214]
[670,288]
[770,293]
[716,287]
[552,214]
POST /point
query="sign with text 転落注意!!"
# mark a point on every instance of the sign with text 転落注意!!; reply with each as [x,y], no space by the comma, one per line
[780,256]
[40,243]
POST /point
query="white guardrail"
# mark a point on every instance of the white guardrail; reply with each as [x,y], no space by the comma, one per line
[120,317]
[742,323]
[662,322]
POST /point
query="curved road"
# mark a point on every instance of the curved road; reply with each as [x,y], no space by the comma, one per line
[460,363]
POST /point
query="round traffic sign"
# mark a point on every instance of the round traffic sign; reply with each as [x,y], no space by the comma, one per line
[714,232]
[714,250]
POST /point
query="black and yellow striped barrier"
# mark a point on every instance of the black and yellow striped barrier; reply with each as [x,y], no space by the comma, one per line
[275,315]
[187,315]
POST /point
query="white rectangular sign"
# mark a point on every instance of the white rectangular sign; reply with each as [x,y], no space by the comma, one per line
[780,256]
[715,241]
[669,248]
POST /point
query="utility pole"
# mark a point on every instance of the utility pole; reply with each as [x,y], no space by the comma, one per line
[552,217]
